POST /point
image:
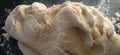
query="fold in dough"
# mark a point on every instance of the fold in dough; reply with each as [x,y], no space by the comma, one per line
[70,28]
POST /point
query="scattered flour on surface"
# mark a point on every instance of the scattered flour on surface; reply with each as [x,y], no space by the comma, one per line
[117,14]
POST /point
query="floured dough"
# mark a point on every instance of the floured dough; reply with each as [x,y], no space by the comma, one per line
[70,28]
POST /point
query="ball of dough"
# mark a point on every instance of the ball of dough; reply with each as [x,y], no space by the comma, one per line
[71,28]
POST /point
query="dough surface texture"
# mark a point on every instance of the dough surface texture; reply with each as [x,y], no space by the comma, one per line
[71,28]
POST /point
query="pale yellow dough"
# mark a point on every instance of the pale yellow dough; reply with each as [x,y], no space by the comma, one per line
[71,28]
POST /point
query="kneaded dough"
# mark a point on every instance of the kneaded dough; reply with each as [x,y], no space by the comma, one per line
[26,50]
[71,28]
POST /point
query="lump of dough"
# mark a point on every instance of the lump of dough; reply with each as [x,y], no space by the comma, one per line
[71,28]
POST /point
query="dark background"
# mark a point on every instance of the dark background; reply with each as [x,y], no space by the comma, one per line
[8,46]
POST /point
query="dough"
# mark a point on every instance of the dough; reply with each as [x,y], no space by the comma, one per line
[71,28]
